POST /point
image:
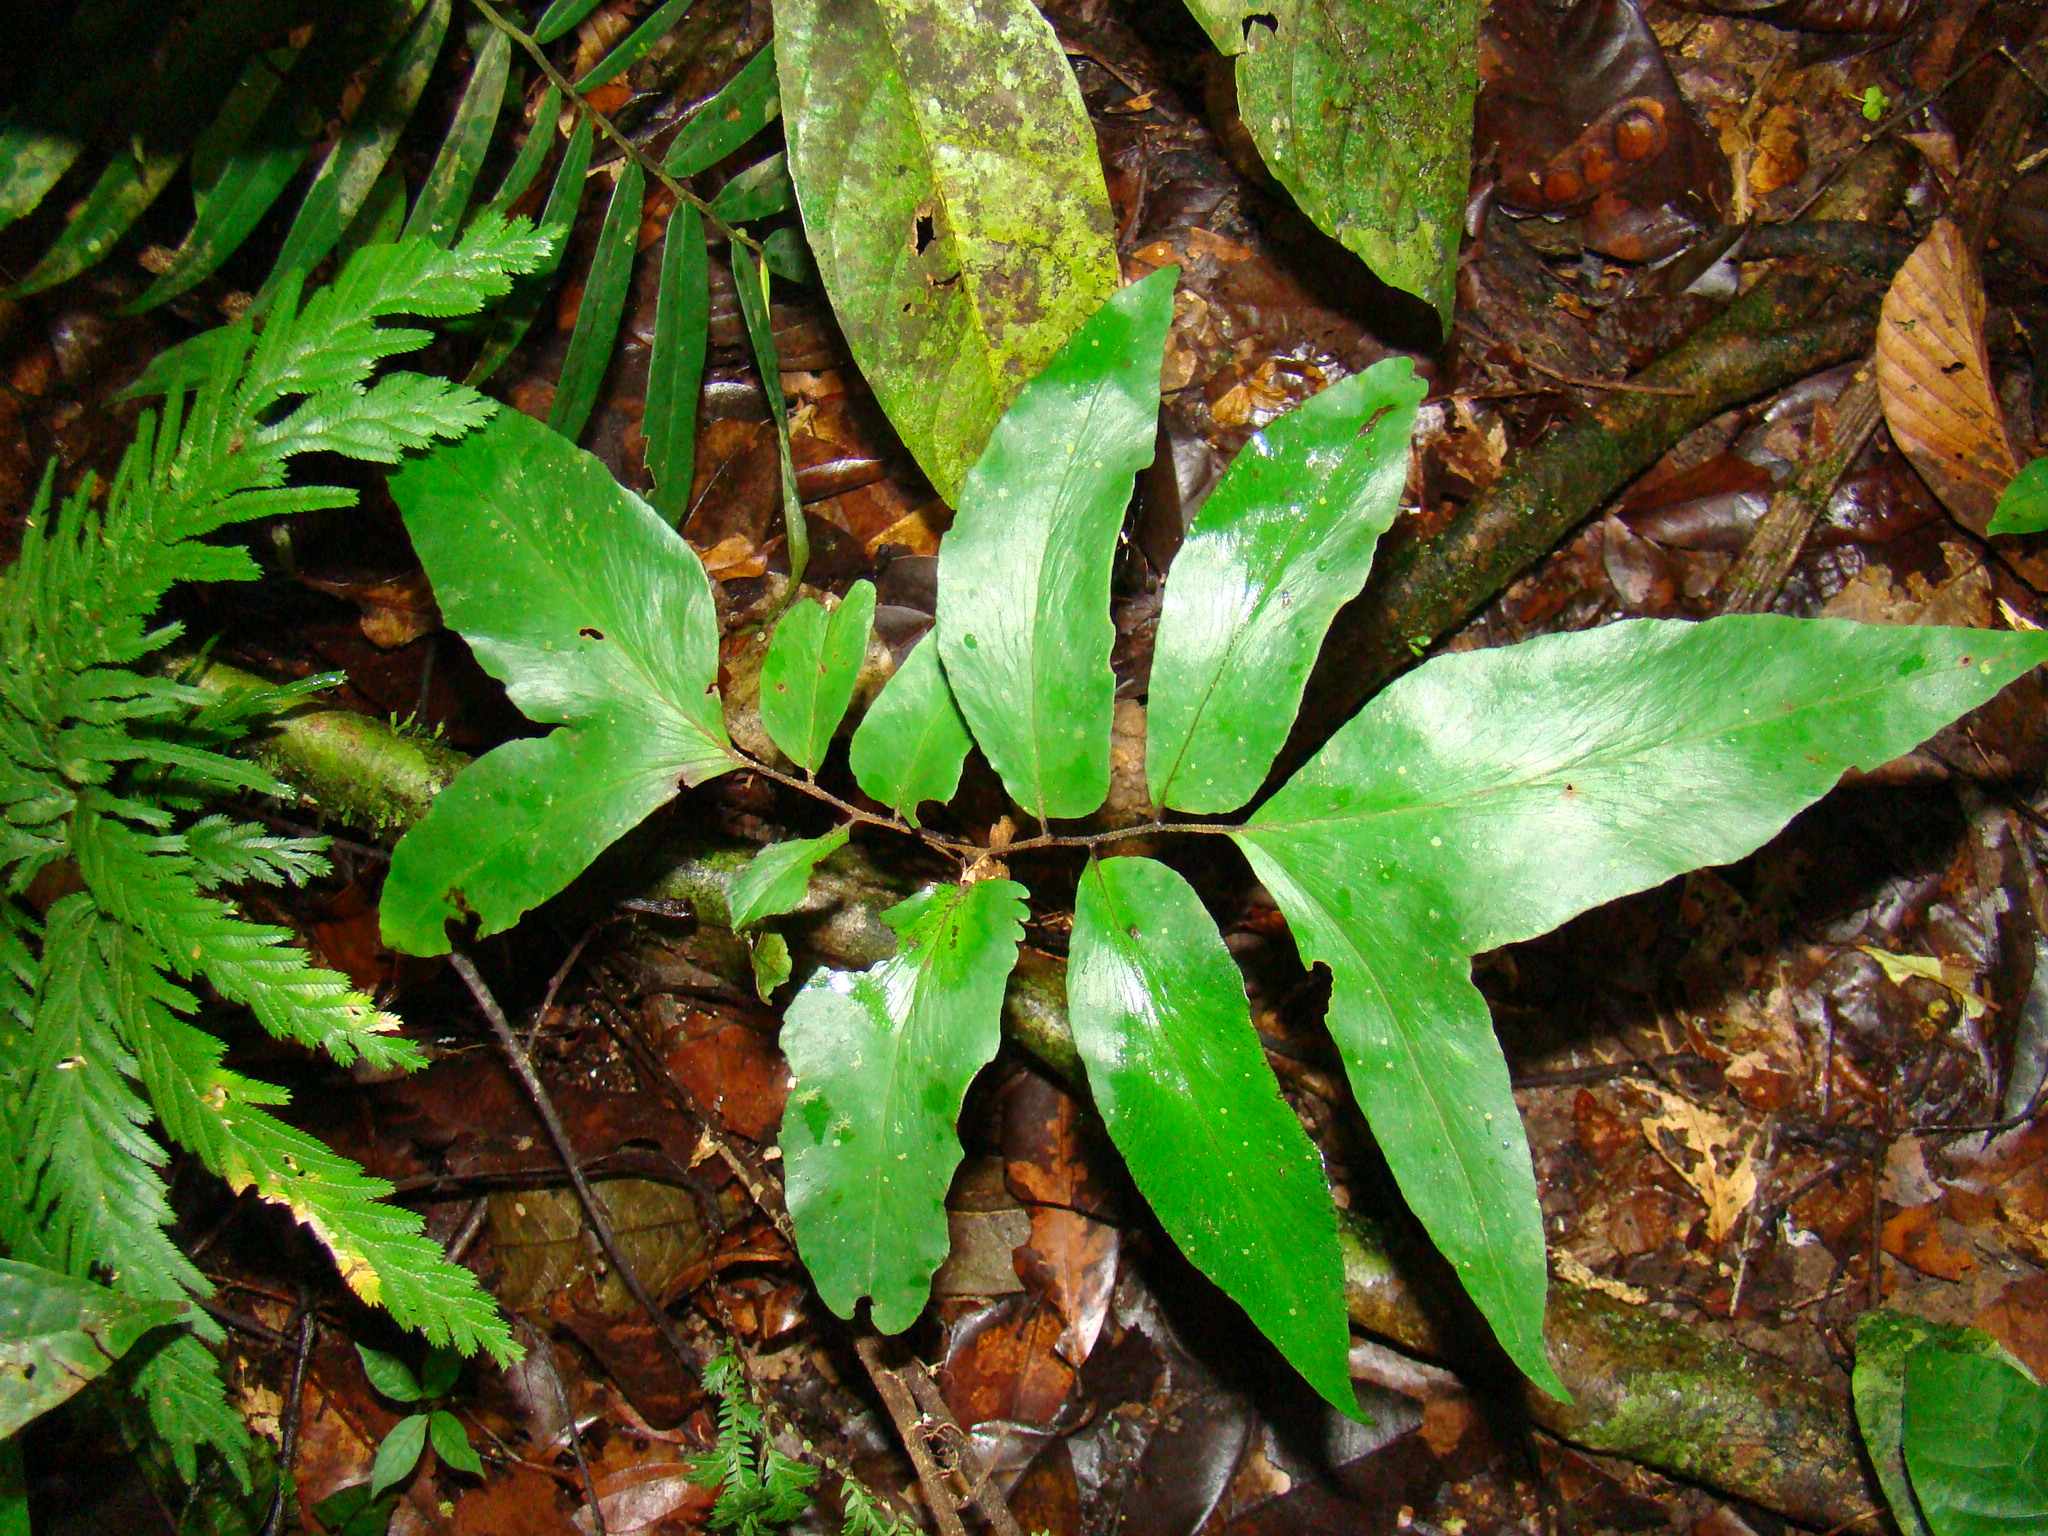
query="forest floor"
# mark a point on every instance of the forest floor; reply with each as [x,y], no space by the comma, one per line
[1762,1099]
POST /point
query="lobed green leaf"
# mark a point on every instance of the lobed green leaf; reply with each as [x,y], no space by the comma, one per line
[1023,617]
[881,1060]
[1488,796]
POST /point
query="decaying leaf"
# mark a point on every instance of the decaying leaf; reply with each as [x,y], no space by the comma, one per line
[1719,1171]
[1956,977]
[1935,378]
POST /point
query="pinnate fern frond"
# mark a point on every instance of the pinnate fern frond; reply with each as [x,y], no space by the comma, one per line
[114,912]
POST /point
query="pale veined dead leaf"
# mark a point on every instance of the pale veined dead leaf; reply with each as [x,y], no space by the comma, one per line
[1951,974]
[1721,1172]
[1935,379]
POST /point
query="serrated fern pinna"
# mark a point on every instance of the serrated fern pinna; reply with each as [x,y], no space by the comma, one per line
[116,918]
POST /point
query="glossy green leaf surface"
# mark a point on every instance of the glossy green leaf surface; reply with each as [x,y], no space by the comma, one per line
[1282,543]
[437,211]
[776,878]
[913,741]
[1488,796]
[533,153]
[58,1333]
[963,232]
[439,1371]
[512,318]
[750,285]
[598,618]
[1160,1019]
[603,305]
[880,1061]
[2023,506]
[745,105]
[808,674]
[357,160]
[635,45]
[1363,110]
[1023,620]
[1884,1339]
[1976,1443]
[675,363]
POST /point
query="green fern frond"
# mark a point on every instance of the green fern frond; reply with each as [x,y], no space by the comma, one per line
[106,769]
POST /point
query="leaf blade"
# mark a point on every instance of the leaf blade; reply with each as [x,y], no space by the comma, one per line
[807,677]
[57,1333]
[912,743]
[744,105]
[1160,1018]
[675,362]
[1023,613]
[437,211]
[777,878]
[1489,796]
[602,622]
[1284,541]
[963,234]
[1976,1432]
[869,1158]
[603,306]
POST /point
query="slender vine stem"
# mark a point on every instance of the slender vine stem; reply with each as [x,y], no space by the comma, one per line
[609,129]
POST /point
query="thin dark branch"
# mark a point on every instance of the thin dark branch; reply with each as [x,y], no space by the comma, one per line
[288,1440]
[593,1208]
[537,1346]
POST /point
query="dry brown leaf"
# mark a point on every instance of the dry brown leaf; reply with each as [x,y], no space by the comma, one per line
[1935,378]
[1719,1171]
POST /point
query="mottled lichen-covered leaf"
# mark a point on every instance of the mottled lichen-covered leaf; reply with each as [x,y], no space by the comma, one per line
[1976,1442]
[954,200]
[603,305]
[912,742]
[598,618]
[776,878]
[57,1333]
[880,1061]
[1488,796]
[1024,627]
[1363,110]
[1161,1021]
[807,677]
[1282,543]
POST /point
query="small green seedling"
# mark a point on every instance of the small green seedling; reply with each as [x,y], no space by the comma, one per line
[1875,103]
[400,1452]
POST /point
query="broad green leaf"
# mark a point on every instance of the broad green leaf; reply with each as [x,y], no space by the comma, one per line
[750,285]
[390,1376]
[963,232]
[1363,110]
[2023,507]
[788,257]
[174,106]
[880,1061]
[399,1453]
[912,742]
[675,362]
[58,1333]
[760,190]
[1280,545]
[1883,1341]
[807,677]
[1024,627]
[353,166]
[437,212]
[602,307]
[1488,796]
[1976,1443]
[745,105]
[776,878]
[769,952]
[451,1443]
[634,47]
[1160,1019]
[512,318]
[597,617]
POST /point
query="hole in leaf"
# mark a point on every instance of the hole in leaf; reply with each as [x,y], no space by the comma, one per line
[590,634]
[927,232]
[1265,21]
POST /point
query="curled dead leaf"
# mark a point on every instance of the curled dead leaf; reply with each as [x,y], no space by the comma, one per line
[1934,378]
